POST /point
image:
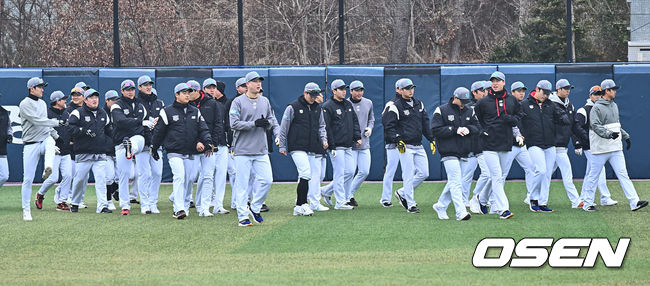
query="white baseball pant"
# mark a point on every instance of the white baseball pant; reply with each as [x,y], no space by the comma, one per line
[392,161]
[125,167]
[543,162]
[617,160]
[31,155]
[342,165]
[605,195]
[562,161]
[453,191]
[415,169]
[361,162]
[496,162]
[221,170]
[245,165]
[82,172]
[63,165]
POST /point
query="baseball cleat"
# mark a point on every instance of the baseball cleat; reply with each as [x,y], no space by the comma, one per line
[74,208]
[413,210]
[154,209]
[306,209]
[386,204]
[264,208]
[466,217]
[111,205]
[353,202]
[39,201]
[27,215]
[533,205]
[320,208]
[401,200]
[245,222]
[47,172]
[608,202]
[545,209]
[581,205]
[298,211]
[590,209]
[192,205]
[134,201]
[125,212]
[440,210]
[640,205]
[506,215]
[257,217]
[222,211]
[106,211]
[62,207]
[127,147]
[484,209]
[206,214]
[179,214]
[83,206]
[343,207]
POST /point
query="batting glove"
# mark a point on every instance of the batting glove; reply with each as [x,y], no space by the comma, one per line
[63,123]
[154,153]
[368,132]
[401,147]
[333,153]
[433,147]
[90,133]
[578,151]
[614,135]
[277,141]
[520,140]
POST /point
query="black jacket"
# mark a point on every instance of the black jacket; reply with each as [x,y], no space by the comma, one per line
[5,123]
[83,119]
[342,124]
[539,123]
[477,146]
[445,122]
[303,132]
[179,128]
[405,122]
[497,113]
[222,138]
[229,132]
[212,113]
[127,116]
[582,122]
[110,148]
[63,142]
[152,105]
[563,133]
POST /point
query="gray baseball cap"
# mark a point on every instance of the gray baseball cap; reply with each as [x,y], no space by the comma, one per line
[338,83]
[195,85]
[498,75]
[240,81]
[463,94]
[36,81]
[562,83]
[57,95]
[208,82]
[356,85]
[127,84]
[253,76]
[487,84]
[313,89]
[608,84]
[545,85]
[90,92]
[82,85]
[477,85]
[517,85]
[111,94]
[182,87]
[144,79]
[405,83]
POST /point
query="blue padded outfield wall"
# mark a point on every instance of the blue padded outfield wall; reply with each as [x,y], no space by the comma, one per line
[435,84]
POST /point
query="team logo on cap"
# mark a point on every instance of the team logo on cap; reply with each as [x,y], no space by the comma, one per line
[450,117]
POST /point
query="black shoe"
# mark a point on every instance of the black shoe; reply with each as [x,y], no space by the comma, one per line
[116,195]
[106,211]
[264,208]
[353,202]
[640,205]
[467,217]
[134,201]
[590,209]
[401,200]
[192,205]
[74,208]
[179,214]
[387,204]
[413,210]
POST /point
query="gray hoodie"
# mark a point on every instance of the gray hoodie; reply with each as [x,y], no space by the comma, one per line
[249,139]
[35,123]
[604,121]
[366,117]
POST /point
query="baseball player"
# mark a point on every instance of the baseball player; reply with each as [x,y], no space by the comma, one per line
[38,138]
[564,133]
[213,117]
[475,158]
[497,113]
[303,135]
[6,137]
[406,121]
[360,154]
[182,131]
[153,105]
[215,89]
[540,118]
[240,87]
[195,167]
[62,160]
[606,146]
[76,101]
[452,123]
[582,122]
[89,127]
[112,179]
[130,127]
[250,116]
[343,132]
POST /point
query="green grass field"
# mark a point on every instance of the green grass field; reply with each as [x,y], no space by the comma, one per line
[369,245]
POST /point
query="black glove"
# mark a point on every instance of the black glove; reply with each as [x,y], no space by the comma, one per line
[510,120]
[10,139]
[90,133]
[614,135]
[262,122]
[63,123]
[629,144]
[154,153]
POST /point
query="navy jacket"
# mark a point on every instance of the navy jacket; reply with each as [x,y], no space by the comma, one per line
[127,116]
[212,113]
[539,122]
[83,119]
[341,122]
[497,113]
[4,125]
[180,128]
[405,122]
[63,142]
[445,122]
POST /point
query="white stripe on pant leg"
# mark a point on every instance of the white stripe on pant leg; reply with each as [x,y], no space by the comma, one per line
[53,178]
[363,163]
[31,156]
[156,178]
[392,161]
[549,157]
[124,169]
[617,161]
[4,170]
[264,178]
[99,169]
[468,177]
[178,183]
[562,161]
[313,195]
[221,168]
[243,170]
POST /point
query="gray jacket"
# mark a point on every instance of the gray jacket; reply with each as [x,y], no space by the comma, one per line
[34,121]
[247,138]
[604,121]
[366,117]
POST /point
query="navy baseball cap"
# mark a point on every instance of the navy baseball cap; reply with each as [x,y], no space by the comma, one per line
[194,85]
[127,84]
[517,85]
[241,81]
[338,83]
[498,75]
[144,79]
[183,86]
[562,83]
[477,85]
[405,83]
[90,92]
[36,81]
[608,84]
[313,89]
[57,95]
[111,95]
[253,76]
[356,85]
[463,94]
[545,85]
[208,82]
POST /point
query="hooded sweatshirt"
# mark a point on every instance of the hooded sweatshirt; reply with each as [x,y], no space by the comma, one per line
[605,121]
